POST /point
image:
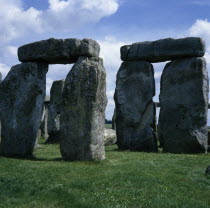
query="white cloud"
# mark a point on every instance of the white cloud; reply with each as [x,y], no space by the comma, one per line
[56,72]
[16,22]
[66,15]
[4,69]
[72,14]
[49,82]
[110,52]
[201,2]
[201,28]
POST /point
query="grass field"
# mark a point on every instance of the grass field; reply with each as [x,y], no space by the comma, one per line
[123,180]
[108,126]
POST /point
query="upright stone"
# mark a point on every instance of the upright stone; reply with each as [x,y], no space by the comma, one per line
[83,111]
[0,109]
[114,120]
[22,94]
[134,92]
[43,126]
[54,110]
[184,106]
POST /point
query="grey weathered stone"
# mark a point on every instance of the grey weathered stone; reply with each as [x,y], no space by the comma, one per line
[184,106]
[83,111]
[163,50]
[47,100]
[135,89]
[110,137]
[22,95]
[58,51]
[54,110]
[0,109]
[114,120]
[44,121]
[208,137]
[154,124]
[37,145]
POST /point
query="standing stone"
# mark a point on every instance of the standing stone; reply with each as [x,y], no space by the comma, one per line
[54,110]
[22,95]
[43,126]
[110,137]
[154,125]
[37,145]
[83,111]
[135,89]
[0,109]
[184,106]
[114,120]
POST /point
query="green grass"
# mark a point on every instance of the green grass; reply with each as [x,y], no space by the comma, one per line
[108,126]
[123,180]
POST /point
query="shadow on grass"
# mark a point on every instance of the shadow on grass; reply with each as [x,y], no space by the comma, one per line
[59,159]
[121,150]
[33,158]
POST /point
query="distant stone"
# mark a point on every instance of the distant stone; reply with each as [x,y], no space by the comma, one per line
[54,110]
[44,121]
[114,120]
[43,126]
[135,88]
[110,137]
[154,124]
[164,49]
[22,94]
[83,111]
[47,99]
[37,145]
[184,106]
[58,51]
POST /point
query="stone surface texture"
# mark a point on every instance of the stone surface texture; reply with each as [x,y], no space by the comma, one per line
[37,145]
[110,137]
[22,94]
[0,109]
[184,106]
[114,120]
[83,111]
[135,88]
[163,50]
[54,111]
[208,137]
[44,121]
[58,51]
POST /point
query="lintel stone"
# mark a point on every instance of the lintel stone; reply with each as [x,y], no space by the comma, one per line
[164,49]
[58,51]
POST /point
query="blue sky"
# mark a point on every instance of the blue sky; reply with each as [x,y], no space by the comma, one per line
[112,23]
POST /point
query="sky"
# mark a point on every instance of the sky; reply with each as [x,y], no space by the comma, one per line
[112,23]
